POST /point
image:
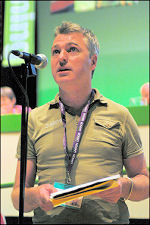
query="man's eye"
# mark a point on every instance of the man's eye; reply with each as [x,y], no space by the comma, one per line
[73,49]
[56,51]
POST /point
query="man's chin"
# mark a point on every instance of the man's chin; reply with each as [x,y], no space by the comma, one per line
[65,81]
[64,78]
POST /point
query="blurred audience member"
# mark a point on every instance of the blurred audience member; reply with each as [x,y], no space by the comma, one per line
[143,99]
[145,93]
[8,102]
[3,221]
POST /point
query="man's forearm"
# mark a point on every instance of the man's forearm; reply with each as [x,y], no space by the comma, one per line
[30,199]
[140,190]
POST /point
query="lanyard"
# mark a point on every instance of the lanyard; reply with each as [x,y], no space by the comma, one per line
[70,157]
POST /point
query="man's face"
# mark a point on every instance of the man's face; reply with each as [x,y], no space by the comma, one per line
[70,61]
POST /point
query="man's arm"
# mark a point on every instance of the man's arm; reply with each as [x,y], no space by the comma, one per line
[136,169]
[37,196]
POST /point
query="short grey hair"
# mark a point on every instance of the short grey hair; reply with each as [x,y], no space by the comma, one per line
[90,38]
[7,92]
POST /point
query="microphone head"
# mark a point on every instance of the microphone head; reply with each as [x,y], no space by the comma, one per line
[15,52]
[43,63]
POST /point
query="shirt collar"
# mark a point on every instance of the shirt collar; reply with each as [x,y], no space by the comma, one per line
[99,98]
[54,104]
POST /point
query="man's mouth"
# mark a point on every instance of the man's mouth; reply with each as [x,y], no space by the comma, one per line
[63,69]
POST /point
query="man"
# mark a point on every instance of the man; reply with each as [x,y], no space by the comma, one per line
[108,140]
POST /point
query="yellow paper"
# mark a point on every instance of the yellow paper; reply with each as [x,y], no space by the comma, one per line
[58,200]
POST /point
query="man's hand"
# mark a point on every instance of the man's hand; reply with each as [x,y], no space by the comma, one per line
[43,196]
[113,194]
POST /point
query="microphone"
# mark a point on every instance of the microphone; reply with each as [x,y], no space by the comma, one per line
[40,60]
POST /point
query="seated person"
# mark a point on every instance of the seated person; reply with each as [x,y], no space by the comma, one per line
[8,102]
[145,93]
[143,99]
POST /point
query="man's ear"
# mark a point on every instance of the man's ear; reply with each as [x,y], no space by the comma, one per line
[93,61]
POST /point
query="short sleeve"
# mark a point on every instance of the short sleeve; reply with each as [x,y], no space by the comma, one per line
[31,154]
[132,144]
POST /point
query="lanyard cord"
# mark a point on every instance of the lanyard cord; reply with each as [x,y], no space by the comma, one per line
[70,157]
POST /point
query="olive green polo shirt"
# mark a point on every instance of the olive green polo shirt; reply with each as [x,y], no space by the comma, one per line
[110,135]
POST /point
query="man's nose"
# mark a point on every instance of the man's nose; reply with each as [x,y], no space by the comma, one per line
[63,58]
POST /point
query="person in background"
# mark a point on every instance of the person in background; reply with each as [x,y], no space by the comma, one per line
[145,94]
[3,220]
[8,102]
[79,137]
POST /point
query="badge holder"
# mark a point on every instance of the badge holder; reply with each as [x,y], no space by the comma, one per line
[76,203]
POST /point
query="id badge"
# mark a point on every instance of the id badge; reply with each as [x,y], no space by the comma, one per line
[76,203]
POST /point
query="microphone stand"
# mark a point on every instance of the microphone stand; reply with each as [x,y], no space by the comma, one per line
[28,70]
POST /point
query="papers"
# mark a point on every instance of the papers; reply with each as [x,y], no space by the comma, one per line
[76,203]
[82,190]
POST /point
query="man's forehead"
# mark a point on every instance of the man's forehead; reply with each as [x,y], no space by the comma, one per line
[68,39]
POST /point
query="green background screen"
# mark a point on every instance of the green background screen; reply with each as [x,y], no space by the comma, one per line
[123,34]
